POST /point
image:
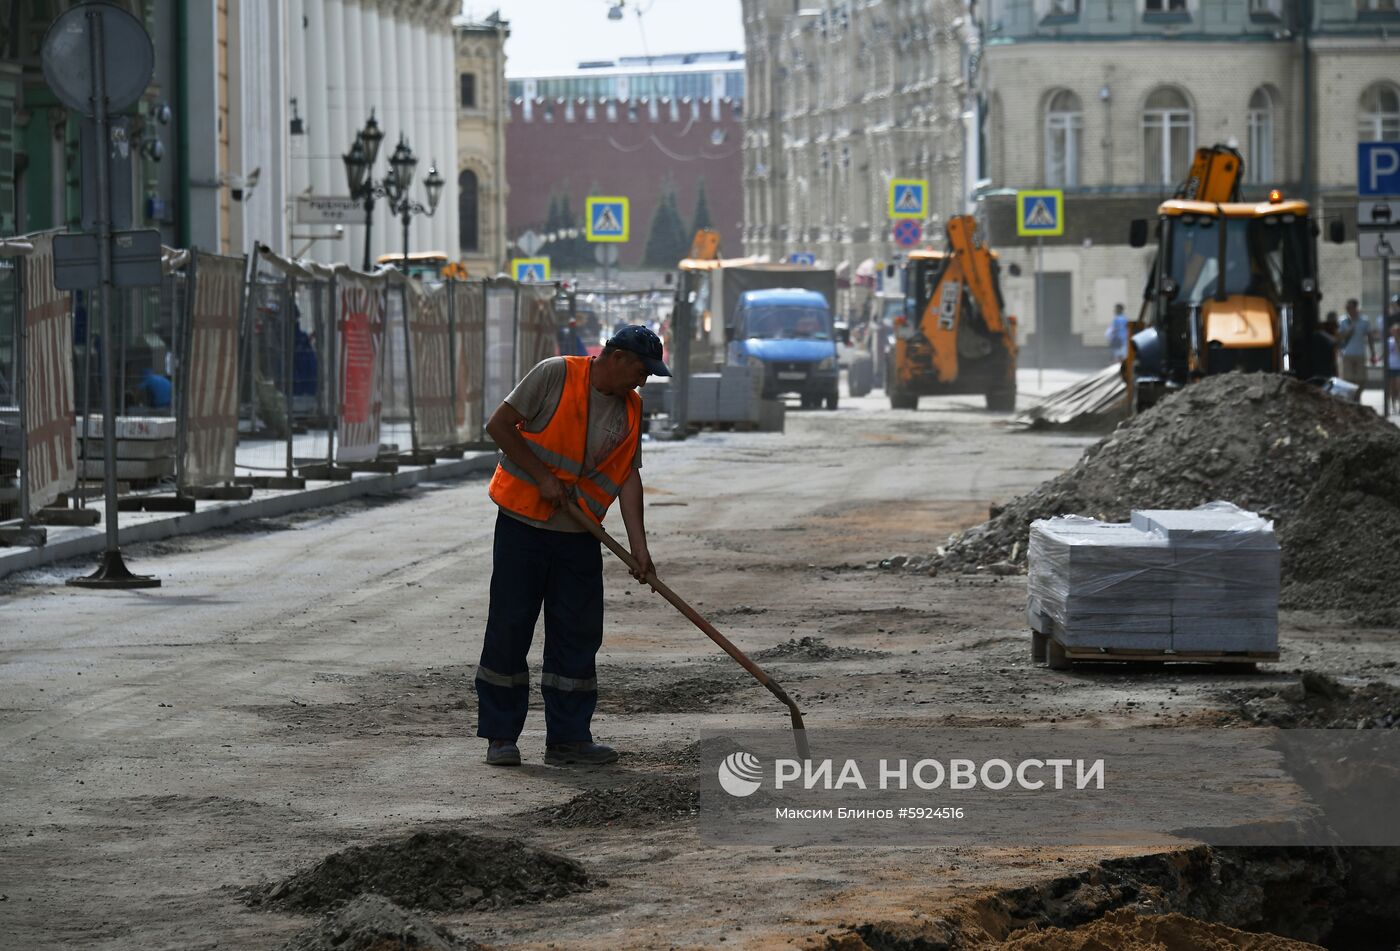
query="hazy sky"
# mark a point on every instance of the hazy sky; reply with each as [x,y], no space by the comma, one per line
[546,35]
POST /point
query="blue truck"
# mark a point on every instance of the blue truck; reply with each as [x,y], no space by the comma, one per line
[789,334]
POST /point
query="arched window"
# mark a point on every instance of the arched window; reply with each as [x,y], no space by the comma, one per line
[1380,114]
[1259,161]
[1168,134]
[467,214]
[1064,119]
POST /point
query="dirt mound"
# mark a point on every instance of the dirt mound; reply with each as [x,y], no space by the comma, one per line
[1339,547]
[1317,702]
[372,923]
[644,803]
[812,648]
[1323,468]
[1126,930]
[682,689]
[437,871]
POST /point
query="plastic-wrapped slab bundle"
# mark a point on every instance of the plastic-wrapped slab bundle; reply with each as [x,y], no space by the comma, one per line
[1226,571]
[1103,584]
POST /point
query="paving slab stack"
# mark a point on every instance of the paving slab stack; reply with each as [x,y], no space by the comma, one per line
[1199,580]
[734,395]
[145,448]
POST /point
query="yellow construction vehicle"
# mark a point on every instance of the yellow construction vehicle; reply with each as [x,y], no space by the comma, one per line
[1234,285]
[953,336]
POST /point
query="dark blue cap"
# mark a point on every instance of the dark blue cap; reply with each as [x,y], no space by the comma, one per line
[645,344]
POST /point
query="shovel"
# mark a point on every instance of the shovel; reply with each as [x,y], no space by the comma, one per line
[597,531]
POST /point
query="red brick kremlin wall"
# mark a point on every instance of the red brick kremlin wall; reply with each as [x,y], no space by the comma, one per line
[626,148]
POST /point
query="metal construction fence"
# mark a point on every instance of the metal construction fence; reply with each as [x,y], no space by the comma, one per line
[236,372]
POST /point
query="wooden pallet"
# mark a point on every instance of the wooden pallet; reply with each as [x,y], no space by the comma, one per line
[1049,650]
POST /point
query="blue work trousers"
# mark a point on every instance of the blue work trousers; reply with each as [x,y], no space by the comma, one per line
[563,573]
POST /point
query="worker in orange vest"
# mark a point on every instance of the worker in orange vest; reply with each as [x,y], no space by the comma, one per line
[570,434]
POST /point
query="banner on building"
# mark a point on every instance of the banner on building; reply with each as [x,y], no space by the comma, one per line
[50,425]
[211,370]
[360,321]
[432,366]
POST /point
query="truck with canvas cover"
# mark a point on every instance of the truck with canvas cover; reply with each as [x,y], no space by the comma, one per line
[954,335]
[1234,285]
[787,334]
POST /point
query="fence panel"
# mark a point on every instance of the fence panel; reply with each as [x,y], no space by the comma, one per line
[50,463]
[467,312]
[539,325]
[360,322]
[266,366]
[501,367]
[208,373]
[432,366]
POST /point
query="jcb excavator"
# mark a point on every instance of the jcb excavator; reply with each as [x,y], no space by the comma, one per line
[1234,285]
[955,337]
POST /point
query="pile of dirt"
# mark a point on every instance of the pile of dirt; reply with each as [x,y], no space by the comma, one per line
[644,803]
[632,690]
[1317,702]
[1126,930]
[436,871]
[812,648]
[372,923]
[1326,470]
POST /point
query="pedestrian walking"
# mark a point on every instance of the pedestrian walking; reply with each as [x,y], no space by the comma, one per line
[570,434]
[1325,355]
[1117,334]
[1392,362]
[1355,343]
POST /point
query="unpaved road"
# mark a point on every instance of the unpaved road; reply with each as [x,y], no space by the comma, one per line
[305,686]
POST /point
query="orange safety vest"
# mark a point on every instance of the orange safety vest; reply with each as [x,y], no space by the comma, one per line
[561,446]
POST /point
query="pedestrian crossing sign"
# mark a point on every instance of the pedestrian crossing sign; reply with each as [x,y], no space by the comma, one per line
[530,270]
[608,219]
[908,198]
[1040,214]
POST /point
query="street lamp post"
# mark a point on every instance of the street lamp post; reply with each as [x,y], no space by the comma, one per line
[359,174]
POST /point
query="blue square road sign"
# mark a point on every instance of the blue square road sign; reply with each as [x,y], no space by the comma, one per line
[1377,168]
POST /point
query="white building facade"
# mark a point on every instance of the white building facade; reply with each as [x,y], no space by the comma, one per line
[287,85]
[842,97]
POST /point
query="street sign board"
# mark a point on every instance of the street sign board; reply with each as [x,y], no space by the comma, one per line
[1040,213]
[802,257]
[121,213]
[135,260]
[1378,214]
[907,232]
[608,219]
[330,210]
[529,242]
[908,198]
[128,57]
[1371,244]
[530,270]
[606,254]
[1377,169]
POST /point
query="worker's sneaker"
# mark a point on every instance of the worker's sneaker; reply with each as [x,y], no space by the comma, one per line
[568,754]
[503,753]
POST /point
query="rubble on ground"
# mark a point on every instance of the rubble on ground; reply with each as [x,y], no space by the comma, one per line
[1326,470]
[372,923]
[811,648]
[643,803]
[436,871]
[1319,702]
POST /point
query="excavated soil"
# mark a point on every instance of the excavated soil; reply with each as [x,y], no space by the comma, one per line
[647,802]
[1318,702]
[372,923]
[1326,470]
[436,871]
[812,648]
[1128,931]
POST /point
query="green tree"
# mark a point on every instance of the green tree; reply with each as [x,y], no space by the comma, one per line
[667,242]
[701,218]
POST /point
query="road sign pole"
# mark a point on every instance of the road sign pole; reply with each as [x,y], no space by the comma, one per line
[112,573]
[1385,336]
[1040,312]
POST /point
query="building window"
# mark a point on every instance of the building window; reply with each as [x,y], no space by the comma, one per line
[1259,163]
[467,212]
[1164,6]
[1057,9]
[1378,6]
[468,90]
[1168,134]
[1272,9]
[1064,119]
[1380,114]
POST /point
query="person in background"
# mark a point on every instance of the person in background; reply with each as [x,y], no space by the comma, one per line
[1326,355]
[155,390]
[1355,340]
[1117,334]
[1392,360]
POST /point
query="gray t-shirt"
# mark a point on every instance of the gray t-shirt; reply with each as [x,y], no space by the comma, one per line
[536,397]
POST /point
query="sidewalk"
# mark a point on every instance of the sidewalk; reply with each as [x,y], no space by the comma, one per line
[65,542]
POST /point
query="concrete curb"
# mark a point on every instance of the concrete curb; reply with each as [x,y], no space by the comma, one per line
[75,542]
